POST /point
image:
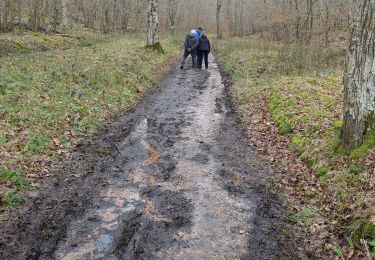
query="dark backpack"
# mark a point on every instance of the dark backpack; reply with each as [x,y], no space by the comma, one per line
[190,42]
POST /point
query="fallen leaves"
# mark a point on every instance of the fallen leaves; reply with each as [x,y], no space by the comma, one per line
[312,104]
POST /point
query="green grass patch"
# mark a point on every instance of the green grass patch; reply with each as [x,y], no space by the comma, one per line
[362,228]
[363,149]
[37,144]
[13,179]
[63,94]
[26,42]
[338,252]
[337,124]
[3,140]
[241,126]
[321,171]
[302,88]
[299,143]
[12,199]
[305,215]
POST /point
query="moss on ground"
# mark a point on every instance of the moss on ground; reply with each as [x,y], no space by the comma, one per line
[304,96]
[26,42]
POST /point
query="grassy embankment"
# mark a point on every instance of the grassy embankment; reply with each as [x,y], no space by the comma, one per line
[58,90]
[303,95]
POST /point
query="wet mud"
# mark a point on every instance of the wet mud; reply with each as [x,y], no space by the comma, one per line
[172,179]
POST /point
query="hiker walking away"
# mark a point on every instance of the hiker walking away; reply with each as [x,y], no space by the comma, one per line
[204,48]
[191,44]
[198,34]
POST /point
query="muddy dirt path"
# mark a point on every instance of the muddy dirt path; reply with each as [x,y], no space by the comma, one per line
[174,179]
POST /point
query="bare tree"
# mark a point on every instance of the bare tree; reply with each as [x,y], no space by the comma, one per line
[64,13]
[218,11]
[172,7]
[283,20]
[153,23]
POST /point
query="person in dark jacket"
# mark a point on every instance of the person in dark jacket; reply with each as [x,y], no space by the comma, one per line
[204,48]
[191,44]
[198,34]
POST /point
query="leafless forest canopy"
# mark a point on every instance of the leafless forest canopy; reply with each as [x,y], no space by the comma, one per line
[282,20]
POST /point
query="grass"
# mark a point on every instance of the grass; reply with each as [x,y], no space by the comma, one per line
[22,42]
[303,91]
[15,183]
[52,98]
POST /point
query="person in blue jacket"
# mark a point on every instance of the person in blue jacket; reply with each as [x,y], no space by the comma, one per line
[199,31]
[198,34]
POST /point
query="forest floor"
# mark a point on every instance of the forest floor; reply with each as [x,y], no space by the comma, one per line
[57,90]
[172,178]
[239,161]
[289,99]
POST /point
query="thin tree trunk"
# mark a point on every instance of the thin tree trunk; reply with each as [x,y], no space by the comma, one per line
[172,7]
[218,10]
[153,23]
[64,13]
[6,15]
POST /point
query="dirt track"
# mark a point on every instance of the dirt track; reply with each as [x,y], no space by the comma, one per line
[173,179]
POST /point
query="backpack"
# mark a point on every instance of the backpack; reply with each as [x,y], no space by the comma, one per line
[190,42]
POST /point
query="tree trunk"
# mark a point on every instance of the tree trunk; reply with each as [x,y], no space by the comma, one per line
[218,10]
[55,20]
[173,6]
[6,15]
[153,23]
[359,100]
[36,15]
[64,13]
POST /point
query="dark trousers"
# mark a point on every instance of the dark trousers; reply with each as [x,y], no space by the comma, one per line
[193,54]
[201,55]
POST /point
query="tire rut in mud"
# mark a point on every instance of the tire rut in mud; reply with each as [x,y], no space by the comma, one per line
[172,179]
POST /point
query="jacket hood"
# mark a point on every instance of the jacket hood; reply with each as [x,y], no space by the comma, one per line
[190,35]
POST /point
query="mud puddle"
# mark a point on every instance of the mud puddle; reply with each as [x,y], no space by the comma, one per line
[174,179]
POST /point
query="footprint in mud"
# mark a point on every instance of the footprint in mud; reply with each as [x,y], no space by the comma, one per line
[201,158]
[219,106]
[166,214]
